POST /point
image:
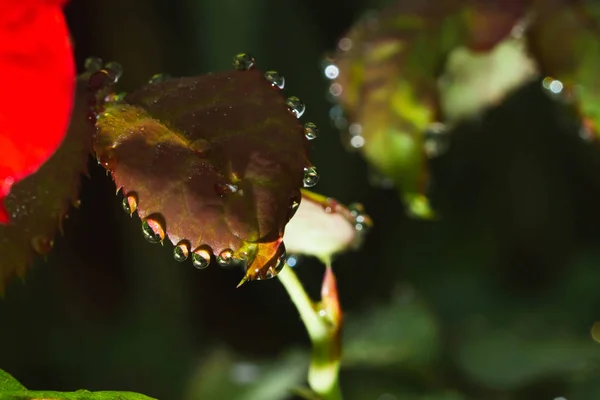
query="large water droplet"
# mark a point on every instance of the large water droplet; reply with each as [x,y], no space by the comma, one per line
[436,140]
[158,78]
[275,78]
[243,61]
[153,230]
[115,70]
[225,258]
[311,176]
[296,106]
[311,131]
[130,203]
[93,64]
[181,251]
[201,258]
[279,262]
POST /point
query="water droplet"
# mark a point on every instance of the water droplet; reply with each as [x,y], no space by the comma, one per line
[201,258]
[115,70]
[295,203]
[331,71]
[335,89]
[158,78]
[311,176]
[357,142]
[130,203]
[279,262]
[153,230]
[296,106]
[224,189]
[99,80]
[93,64]
[225,258]
[311,131]
[345,44]
[436,140]
[356,209]
[243,61]
[108,159]
[275,78]
[181,251]
[76,203]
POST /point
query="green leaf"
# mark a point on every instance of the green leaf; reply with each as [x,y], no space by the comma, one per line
[223,375]
[11,389]
[403,333]
[8,383]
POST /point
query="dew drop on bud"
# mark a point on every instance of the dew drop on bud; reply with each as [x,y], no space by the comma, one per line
[296,106]
[92,64]
[310,131]
[130,204]
[275,78]
[115,70]
[181,251]
[243,61]
[158,78]
[311,176]
[225,258]
[153,230]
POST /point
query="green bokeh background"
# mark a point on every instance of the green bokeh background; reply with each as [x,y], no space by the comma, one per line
[494,302]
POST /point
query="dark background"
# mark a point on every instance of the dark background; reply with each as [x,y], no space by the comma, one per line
[496,301]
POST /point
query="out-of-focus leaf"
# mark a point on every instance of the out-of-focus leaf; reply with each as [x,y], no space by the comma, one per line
[322,227]
[223,376]
[566,42]
[38,203]
[401,74]
[214,162]
[402,333]
[503,360]
[11,389]
[34,45]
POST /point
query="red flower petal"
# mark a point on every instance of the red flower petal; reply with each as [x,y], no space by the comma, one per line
[38,75]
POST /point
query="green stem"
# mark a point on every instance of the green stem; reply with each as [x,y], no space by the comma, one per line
[325,360]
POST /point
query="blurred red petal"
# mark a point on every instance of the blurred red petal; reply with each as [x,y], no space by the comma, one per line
[38,75]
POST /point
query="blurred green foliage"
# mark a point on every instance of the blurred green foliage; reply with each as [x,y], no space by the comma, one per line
[494,302]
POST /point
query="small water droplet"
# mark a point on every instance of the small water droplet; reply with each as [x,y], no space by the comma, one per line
[296,106]
[130,203]
[224,189]
[115,70]
[158,78]
[311,131]
[243,61]
[108,159]
[345,44]
[311,176]
[275,78]
[76,203]
[225,258]
[201,258]
[153,230]
[93,64]
[294,204]
[181,251]
[356,209]
[436,140]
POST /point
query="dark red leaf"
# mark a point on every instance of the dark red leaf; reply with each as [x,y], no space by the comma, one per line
[35,52]
[38,203]
[214,163]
